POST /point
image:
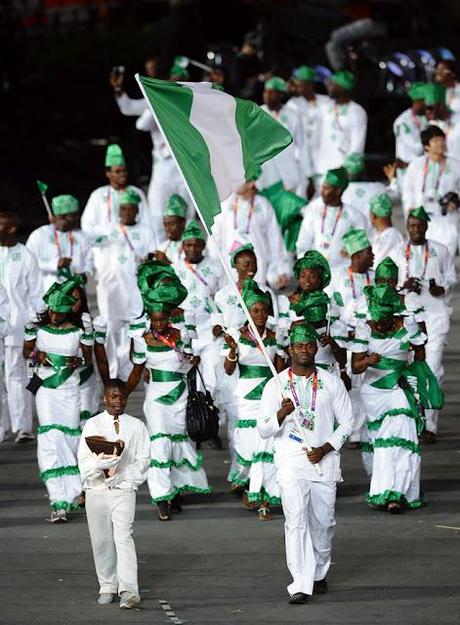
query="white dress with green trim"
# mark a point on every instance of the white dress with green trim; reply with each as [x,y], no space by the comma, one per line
[58,410]
[254,455]
[392,415]
[175,465]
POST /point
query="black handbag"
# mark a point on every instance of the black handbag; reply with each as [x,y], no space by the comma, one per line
[202,416]
[34,384]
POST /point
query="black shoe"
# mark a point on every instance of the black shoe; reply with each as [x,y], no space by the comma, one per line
[176,504]
[163,511]
[298,598]
[320,587]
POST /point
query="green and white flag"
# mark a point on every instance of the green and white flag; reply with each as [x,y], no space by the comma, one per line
[218,141]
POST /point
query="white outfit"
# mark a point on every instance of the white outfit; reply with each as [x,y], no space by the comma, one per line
[172,249]
[451,128]
[453,98]
[359,194]
[130,106]
[5,424]
[343,132]
[111,502]
[426,182]
[308,499]
[323,228]
[385,243]
[439,266]
[49,245]
[406,129]
[20,276]
[238,223]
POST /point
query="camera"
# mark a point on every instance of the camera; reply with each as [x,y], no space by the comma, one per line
[449,201]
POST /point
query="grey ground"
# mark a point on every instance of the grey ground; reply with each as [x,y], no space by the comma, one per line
[217,564]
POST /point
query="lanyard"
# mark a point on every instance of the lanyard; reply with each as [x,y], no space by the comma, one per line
[337,117]
[179,247]
[191,268]
[416,119]
[58,243]
[426,256]
[313,395]
[438,180]
[235,214]
[109,205]
[352,282]
[337,219]
[168,343]
[125,234]
[253,338]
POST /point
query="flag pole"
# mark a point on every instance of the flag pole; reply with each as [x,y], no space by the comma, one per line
[231,279]
[45,200]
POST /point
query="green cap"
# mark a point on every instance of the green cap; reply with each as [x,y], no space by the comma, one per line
[114,156]
[179,72]
[276,83]
[387,269]
[175,207]
[252,294]
[383,301]
[344,79]
[248,247]
[305,73]
[314,260]
[303,333]
[354,164]
[381,205]
[417,91]
[337,177]
[419,213]
[42,187]
[312,306]
[193,231]
[355,240]
[153,272]
[130,196]
[164,297]
[64,204]
[59,301]
[434,94]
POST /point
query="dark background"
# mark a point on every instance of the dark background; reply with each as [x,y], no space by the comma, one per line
[58,111]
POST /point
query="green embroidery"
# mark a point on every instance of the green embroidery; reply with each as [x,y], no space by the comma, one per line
[43,429]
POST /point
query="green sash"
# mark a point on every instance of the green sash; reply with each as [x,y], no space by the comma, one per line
[63,372]
[255,371]
[158,375]
[86,373]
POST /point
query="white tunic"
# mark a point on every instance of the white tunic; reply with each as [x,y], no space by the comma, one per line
[323,228]
[385,243]
[350,286]
[359,194]
[229,313]
[49,245]
[172,249]
[406,129]
[453,97]
[343,132]
[333,407]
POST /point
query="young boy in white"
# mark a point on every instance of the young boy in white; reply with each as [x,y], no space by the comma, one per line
[111,501]
[308,497]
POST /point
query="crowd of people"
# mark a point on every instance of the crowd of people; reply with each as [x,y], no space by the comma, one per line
[351,312]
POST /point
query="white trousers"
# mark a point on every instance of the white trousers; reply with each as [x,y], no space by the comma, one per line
[110,514]
[117,347]
[18,397]
[309,511]
[434,349]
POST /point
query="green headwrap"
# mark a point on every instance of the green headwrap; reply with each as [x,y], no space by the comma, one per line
[387,269]
[64,204]
[312,306]
[355,240]
[419,213]
[130,196]
[57,300]
[381,205]
[175,207]
[248,247]
[303,333]
[344,79]
[337,178]
[314,260]
[305,73]
[252,294]
[164,297]
[417,91]
[193,231]
[354,164]
[383,301]
[179,72]
[434,94]
[276,83]
[114,156]
[72,283]
[152,272]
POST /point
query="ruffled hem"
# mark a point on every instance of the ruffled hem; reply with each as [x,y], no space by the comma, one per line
[394,412]
[179,490]
[59,472]
[42,429]
[237,481]
[263,497]
[396,441]
[175,438]
[64,505]
[168,464]
[391,495]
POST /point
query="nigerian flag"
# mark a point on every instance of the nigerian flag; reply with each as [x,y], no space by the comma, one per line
[218,141]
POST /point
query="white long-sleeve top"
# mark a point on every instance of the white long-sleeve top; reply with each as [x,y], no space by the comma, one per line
[49,245]
[146,123]
[385,243]
[350,285]
[453,98]
[4,314]
[132,107]
[21,278]
[333,406]
[343,132]
[359,194]
[132,469]
[238,223]
[102,211]
[406,129]
[323,228]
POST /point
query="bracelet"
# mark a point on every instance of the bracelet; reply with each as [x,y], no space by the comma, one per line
[232,359]
[343,369]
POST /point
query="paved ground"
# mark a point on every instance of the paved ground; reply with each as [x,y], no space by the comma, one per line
[217,564]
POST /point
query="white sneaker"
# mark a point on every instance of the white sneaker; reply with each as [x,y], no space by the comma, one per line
[129,600]
[105,598]
[24,437]
[58,516]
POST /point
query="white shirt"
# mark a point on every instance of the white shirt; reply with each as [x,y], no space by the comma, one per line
[343,132]
[406,129]
[49,245]
[323,229]
[350,286]
[131,106]
[359,194]
[333,406]
[172,249]
[385,243]
[160,150]
[132,469]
